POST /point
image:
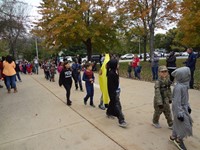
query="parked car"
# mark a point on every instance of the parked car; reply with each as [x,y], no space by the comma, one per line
[142,55]
[127,56]
[95,58]
[84,59]
[68,58]
[184,54]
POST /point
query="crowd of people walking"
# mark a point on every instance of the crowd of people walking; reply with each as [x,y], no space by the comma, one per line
[164,77]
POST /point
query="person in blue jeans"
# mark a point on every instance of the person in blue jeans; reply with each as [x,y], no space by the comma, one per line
[88,77]
[76,74]
[191,63]
[10,73]
[154,66]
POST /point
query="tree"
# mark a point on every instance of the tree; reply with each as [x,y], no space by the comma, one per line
[65,23]
[148,15]
[169,41]
[189,24]
[13,19]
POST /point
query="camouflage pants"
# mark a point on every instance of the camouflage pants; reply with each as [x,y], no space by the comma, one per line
[167,112]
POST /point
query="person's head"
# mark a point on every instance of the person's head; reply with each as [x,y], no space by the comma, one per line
[88,66]
[112,64]
[163,72]
[66,64]
[189,50]
[172,53]
[75,60]
[9,59]
[135,56]
[182,75]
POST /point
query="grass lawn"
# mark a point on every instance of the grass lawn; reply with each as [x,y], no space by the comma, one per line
[146,74]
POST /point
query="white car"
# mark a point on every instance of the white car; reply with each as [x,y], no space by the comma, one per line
[127,56]
[68,58]
[184,54]
[84,59]
[142,55]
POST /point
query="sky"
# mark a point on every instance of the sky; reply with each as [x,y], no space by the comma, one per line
[33,8]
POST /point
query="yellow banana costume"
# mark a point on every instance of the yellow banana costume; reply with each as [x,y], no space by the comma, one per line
[103,80]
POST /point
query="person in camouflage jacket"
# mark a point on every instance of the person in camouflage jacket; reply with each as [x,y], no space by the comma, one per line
[162,98]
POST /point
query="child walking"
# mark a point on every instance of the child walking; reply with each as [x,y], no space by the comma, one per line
[65,79]
[182,126]
[88,77]
[114,107]
[162,98]
[76,74]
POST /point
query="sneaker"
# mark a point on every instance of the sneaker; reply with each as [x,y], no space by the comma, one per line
[180,144]
[85,102]
[102,107]
[156,125]
[69,103]
[171,139]
[123,124]
[170,127]
[92,105]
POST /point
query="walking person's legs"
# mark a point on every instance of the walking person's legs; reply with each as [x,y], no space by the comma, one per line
[8,83]
[13,83]
[153,73]
[156,73]
[68,92]
[192,79]
[91,96]
[119,113]
[80,82]
[18,76]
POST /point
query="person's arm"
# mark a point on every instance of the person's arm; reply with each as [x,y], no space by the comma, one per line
[61,77]
[179,112]
[84,78]
[158,96]
[138,62]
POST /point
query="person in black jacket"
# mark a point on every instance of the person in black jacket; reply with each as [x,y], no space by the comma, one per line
[171,64]
[114,107]
[191,63]
[65,79]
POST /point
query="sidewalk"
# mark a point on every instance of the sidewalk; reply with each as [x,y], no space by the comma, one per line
[37,118]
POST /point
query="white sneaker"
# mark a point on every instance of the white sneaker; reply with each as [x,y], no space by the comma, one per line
[123,124]
[156,125]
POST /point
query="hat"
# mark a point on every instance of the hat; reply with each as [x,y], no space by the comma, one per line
[162,68]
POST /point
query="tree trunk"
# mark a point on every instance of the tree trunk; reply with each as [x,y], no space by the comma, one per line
[145,47]
[152,27]
[88,44]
